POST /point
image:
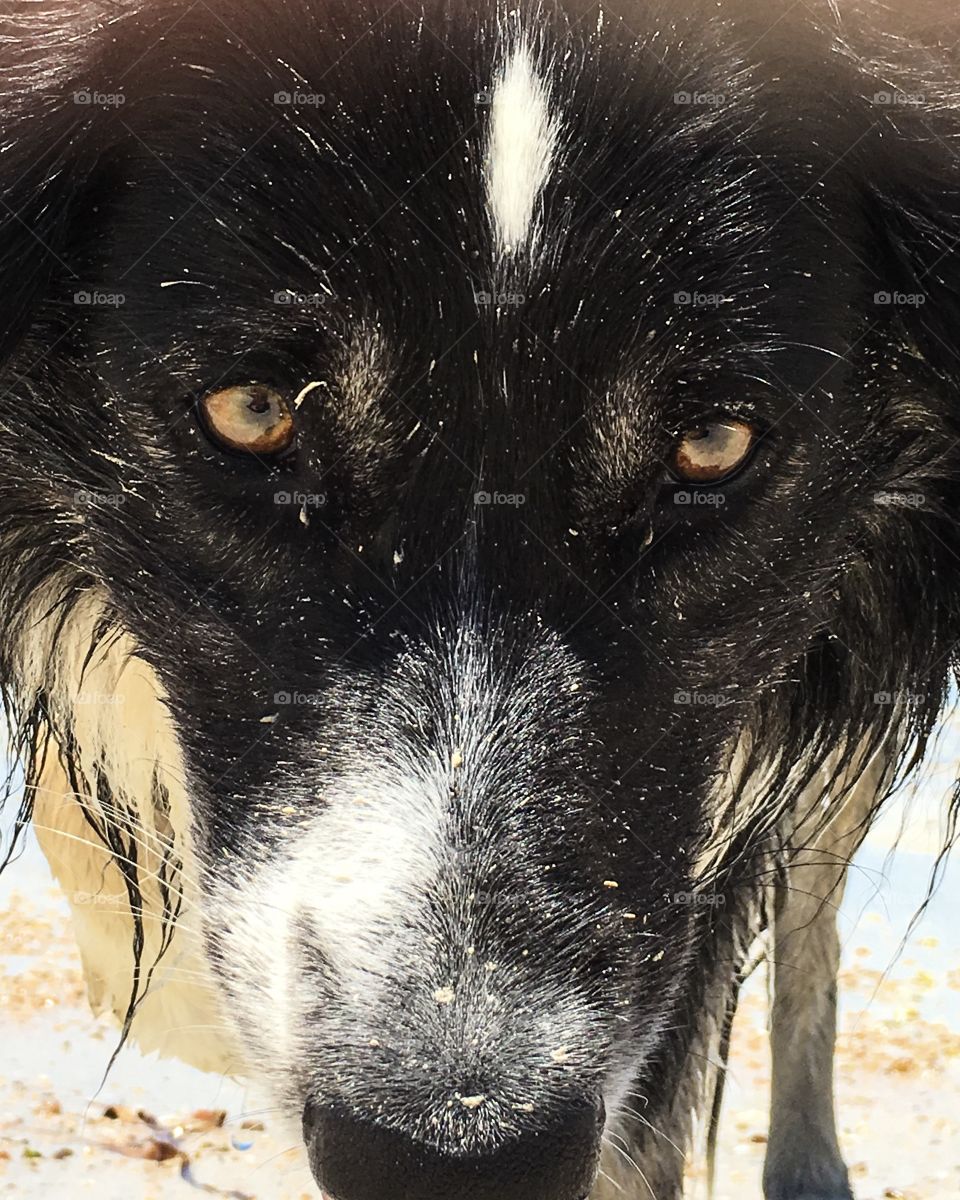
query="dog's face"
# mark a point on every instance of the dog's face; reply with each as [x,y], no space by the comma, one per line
[489,418]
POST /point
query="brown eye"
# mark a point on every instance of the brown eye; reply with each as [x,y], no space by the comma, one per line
[710,452]
[253,418]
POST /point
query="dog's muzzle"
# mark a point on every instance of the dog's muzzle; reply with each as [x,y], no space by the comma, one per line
[357,1157]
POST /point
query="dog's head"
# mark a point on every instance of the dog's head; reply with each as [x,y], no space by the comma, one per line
[513,440]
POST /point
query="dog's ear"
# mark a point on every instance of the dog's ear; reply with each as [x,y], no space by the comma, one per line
[896,68]
[919,215]
[52,134]
[909,75]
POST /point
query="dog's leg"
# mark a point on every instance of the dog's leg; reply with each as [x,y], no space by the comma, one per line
[803,1159]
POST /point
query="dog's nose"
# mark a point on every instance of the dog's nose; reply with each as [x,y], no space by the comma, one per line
[359,1158]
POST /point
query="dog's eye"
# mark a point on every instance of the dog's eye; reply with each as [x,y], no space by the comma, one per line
[711,452]
[253,419]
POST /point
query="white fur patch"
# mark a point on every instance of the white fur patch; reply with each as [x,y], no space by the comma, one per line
[113,704]
[522,143]
[355,872]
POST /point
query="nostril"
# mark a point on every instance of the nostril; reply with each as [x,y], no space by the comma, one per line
[354,1157]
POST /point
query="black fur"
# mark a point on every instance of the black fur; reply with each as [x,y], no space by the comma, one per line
[826,580]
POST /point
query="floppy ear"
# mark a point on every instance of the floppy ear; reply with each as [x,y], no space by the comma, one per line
[51,145]
[910,76]
[920,215]
[52,135]
[908,64]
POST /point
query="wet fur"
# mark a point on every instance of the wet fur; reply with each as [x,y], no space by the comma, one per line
[192,602]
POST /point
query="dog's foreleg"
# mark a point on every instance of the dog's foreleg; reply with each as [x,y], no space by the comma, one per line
[803,1159]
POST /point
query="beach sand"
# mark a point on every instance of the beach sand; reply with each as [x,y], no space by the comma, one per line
[156,1130]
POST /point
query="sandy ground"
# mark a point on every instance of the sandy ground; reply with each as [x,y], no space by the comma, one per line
[158,1130]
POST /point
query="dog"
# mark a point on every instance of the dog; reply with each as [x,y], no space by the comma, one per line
[479,543]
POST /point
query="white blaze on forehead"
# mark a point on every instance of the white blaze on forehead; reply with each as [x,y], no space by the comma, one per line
[522,141]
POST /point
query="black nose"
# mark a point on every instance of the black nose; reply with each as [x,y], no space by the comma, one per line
[355,1157]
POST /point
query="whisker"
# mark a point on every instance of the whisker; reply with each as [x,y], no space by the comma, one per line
[632,1163]
[634,1115]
